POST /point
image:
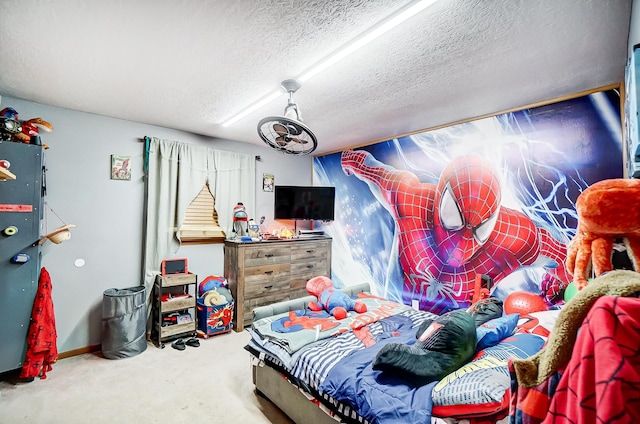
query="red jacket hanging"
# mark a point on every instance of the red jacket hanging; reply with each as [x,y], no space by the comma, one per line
[42,350]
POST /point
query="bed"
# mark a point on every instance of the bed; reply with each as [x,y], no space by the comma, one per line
[318,369]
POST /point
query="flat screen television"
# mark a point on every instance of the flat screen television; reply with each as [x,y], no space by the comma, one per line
[304,202]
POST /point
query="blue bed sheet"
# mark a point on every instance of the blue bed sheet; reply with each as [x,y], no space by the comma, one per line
[377,396]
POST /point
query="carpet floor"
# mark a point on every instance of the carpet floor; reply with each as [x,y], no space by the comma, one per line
[207,384]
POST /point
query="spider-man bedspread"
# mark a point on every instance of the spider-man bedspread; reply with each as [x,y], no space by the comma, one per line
[340,367]
[296,329]
[601,382]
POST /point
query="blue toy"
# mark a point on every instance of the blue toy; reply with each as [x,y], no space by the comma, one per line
[334,301]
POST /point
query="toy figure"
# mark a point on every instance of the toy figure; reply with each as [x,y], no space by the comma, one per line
[240,219]
[9,124]
[334,301]
[31,128]
[450,232]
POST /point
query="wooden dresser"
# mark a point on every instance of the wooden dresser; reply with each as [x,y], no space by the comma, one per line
[260,273]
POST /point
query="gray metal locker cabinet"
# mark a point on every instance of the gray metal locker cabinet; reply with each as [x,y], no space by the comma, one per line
[20,207]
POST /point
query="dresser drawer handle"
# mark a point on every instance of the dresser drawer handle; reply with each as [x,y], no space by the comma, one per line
[268,272]
[269,287]
[268,255]
[310,251]
[309,266]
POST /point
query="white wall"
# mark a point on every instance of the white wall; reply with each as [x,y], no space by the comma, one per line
[109,213]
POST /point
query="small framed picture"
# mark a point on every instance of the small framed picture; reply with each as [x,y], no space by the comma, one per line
[121,167]
[267,182]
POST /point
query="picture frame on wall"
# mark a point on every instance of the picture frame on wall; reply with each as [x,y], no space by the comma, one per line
[121,167]
[267,182]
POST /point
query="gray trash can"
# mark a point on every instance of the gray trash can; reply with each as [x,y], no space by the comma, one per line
[124,322]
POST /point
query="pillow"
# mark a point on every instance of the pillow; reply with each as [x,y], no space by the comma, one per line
[492,332]
[443,345]
[539,323]
[480,387]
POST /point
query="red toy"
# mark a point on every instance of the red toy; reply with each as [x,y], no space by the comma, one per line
[523,303]
[334,301]
[32,128]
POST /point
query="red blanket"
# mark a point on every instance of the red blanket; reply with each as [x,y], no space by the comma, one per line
[601,382]
[42,350]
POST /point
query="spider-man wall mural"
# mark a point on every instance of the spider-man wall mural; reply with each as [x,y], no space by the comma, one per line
[419,216]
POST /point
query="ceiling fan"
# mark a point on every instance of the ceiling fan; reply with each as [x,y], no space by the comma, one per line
[287,133]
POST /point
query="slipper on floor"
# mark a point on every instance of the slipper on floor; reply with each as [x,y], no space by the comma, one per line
[179,344]
[193,342]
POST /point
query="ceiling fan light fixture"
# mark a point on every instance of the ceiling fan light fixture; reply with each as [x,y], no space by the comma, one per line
[287,133]
[292,112]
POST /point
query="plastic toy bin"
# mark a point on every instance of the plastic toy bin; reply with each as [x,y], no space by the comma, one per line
[216,319]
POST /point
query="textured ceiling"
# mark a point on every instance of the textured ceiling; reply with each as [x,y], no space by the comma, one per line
[192,64]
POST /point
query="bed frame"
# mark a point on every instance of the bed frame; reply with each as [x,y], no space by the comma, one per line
[272,385]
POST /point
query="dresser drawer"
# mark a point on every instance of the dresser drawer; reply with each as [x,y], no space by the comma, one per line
[309,251]
[264,280]
[264,255]
[301,272]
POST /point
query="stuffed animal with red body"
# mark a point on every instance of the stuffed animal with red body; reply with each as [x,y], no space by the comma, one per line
[334,301]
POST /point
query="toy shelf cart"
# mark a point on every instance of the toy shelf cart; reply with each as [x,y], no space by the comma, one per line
[174,308]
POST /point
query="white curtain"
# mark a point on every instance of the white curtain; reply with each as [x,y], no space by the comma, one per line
[176,174]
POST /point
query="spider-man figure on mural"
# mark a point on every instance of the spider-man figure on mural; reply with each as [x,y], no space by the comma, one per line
[449,232]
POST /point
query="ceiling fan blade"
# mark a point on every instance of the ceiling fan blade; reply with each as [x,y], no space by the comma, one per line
[280,129]
[298,140]
[282,141]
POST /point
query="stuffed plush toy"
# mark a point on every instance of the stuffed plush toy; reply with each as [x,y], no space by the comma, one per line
[607,210]
[443,345]
[334,301]
[32,128]
[485,310]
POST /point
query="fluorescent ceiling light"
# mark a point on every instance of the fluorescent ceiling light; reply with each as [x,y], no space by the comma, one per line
[253,107]
[340,54]
[366,38]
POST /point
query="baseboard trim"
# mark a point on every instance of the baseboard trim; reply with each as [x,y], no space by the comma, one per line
[79,351]
[87,349]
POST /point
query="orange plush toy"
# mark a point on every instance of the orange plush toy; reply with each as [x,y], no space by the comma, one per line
[607,210]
